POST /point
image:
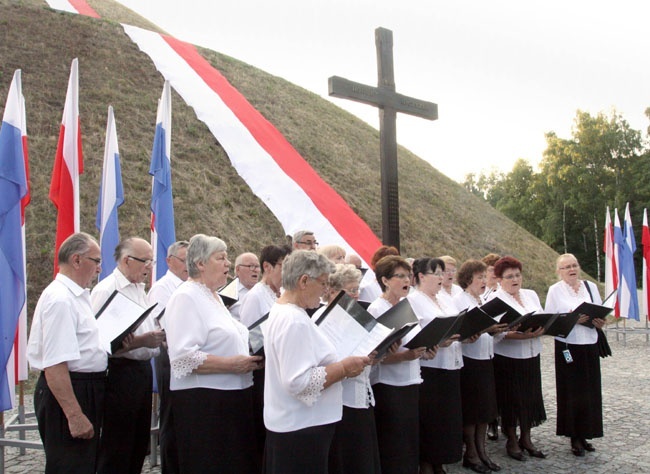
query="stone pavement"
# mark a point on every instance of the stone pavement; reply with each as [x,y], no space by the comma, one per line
[626,410]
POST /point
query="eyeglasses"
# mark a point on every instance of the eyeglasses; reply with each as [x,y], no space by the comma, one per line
[402,276]
[252,266]
[450,272]
[438,273]
[512,277]
[146,262]
[177,258]
[98,261]
[311,243]
[352,291]
[572,266]
[323,284]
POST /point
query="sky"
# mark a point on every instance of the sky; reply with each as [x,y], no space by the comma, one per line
[503,72]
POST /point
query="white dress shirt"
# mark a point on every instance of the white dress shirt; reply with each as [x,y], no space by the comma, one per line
[257,303]
[161,291]
[561,298]
[134,291]
[426,309]
[401,373]
[64,329]
[198,324]
[235,308]
[297,353]
[519,348]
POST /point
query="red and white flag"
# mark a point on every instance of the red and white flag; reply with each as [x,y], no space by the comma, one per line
[611,264]
[645,240]
[68,165]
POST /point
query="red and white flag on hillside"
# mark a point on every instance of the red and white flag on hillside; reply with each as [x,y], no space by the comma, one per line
[611,265]
[73,6]
[645,240]
[68,165]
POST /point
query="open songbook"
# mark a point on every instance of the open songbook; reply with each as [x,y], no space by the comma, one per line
[593,311]
[255,337]
[465,324]
[118,318]
[228,293]
[354,331]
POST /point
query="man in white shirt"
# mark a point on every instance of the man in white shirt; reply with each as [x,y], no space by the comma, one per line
[127,412]
[160,293]
[64,344]
[247,273]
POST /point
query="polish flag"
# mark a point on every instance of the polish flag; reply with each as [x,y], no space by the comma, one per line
[68,165]
[645,240]
[611,265]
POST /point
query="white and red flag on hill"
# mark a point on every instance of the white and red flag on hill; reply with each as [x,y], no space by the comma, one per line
[645,240]
[68,165]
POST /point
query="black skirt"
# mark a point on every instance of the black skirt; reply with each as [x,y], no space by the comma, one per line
[441,416]
[578,388]
[396,417]
[519,391]
[298,452]
[478,391]
[215,431]
[354,447]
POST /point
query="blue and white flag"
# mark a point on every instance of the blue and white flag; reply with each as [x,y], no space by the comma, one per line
[111,196]
[13,188]
[627,293]
[163,233]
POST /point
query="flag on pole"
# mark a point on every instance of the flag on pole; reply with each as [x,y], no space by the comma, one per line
[111,196]
[68,165]
[611,266]
[627,293]
[13,189]
[645,240]
[163,233]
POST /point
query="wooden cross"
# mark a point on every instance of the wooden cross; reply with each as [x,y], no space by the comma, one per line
[389,103]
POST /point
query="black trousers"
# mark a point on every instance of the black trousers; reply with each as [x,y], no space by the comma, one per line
[127,417]
[167,435]
[63,453]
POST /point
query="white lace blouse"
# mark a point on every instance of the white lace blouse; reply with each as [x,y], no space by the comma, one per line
[198,324]
[296,355]
[519,348]
[562,298]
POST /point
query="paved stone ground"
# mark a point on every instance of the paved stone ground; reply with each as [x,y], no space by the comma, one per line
[626,409]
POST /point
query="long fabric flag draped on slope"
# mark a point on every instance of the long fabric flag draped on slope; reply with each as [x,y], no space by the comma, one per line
[645,240]
[111,196]
[627,292]
[163,233]
[14,190]
[68,165]
[611,266]
[271,167]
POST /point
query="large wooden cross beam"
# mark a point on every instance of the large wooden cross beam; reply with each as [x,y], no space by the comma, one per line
[389,103]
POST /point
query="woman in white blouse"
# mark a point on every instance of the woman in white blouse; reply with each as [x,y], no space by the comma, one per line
[577,383]
[354,447]
[477,375]
[441,421]
[396,379]
[211,368]
[517,365]
[302,399]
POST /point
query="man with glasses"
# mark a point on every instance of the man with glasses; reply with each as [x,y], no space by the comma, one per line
[64,344]
[304,240]
[247,273]
[160,293]
[127,413]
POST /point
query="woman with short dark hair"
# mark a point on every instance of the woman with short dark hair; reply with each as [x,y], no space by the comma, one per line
[517,365]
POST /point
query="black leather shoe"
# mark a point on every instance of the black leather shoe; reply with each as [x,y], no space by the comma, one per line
[517,455]
[588,446]
[476,467]
[490,464]
[577,448]
[536,453]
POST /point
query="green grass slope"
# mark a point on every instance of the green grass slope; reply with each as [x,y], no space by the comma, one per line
[437,215]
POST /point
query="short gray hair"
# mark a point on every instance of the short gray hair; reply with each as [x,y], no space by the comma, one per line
[176,246]
[344,273]
[199,251]
[297,237]
[304,262]
[76,244]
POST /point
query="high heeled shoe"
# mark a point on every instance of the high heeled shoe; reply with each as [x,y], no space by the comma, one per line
[536,453]
[490,464]
[516,455]
[475,466]
[588,446]
[577,448]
